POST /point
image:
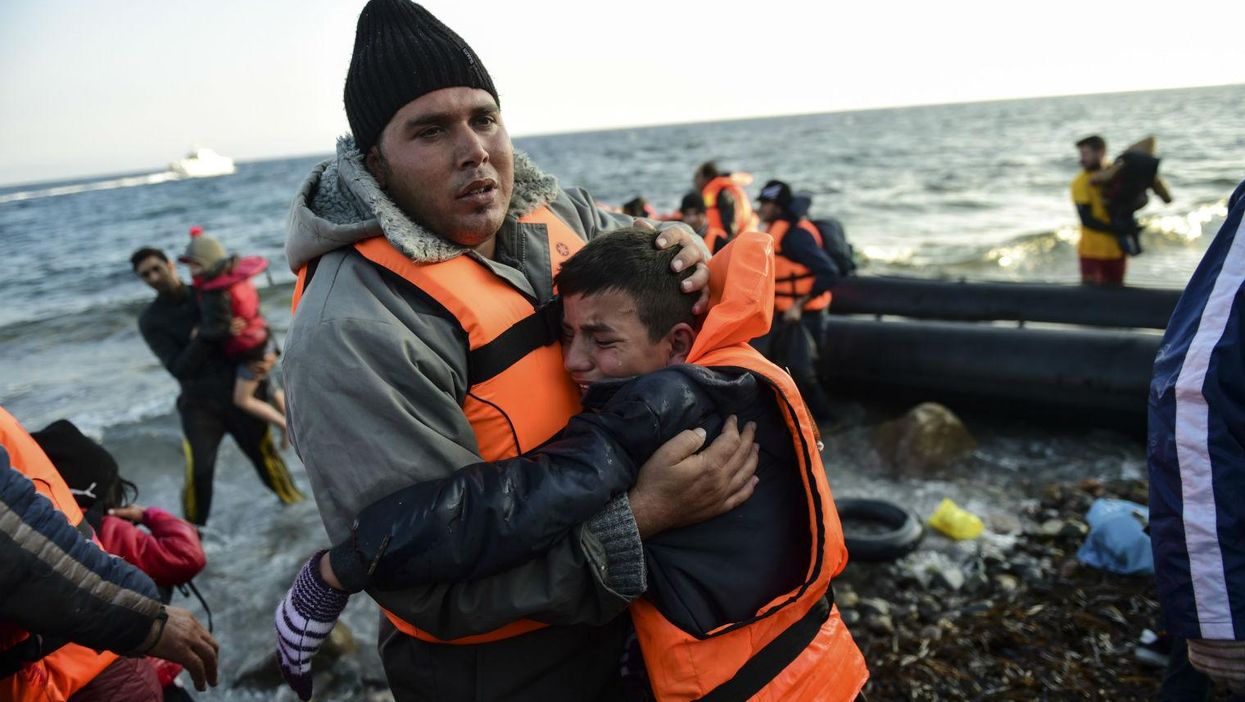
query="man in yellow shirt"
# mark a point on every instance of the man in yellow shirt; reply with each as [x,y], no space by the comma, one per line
[1102,259]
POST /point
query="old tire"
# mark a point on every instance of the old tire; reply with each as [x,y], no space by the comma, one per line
[877,530]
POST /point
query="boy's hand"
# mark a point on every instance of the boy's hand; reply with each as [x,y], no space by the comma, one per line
[678,486]
[693,252]
[236,325]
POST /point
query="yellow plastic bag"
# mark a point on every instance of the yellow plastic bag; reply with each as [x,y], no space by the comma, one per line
[955,521]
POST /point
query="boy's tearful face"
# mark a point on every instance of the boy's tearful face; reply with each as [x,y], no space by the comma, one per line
[603,337]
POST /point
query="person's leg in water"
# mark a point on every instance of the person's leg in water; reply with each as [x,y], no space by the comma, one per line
[202,430]
[254,438]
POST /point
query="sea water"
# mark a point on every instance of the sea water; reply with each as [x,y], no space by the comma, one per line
[976,191]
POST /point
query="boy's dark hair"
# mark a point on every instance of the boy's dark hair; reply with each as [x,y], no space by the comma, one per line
[145,253]
[628,262]
[1094,142]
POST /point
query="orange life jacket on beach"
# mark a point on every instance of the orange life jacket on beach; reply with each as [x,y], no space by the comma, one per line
[69,668]
[504,363]
[793,280]
[745,219]
[796,647]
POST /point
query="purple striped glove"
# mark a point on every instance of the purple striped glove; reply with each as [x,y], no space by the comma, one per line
[304,619]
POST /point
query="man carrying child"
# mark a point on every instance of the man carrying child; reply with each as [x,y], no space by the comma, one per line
[207,378]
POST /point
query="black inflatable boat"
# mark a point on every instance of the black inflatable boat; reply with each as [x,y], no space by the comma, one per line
[1062,352]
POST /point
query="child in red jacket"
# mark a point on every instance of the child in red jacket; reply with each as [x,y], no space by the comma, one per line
[223,284]
[168,550]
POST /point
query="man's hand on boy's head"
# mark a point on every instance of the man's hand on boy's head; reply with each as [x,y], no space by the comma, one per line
[678,487]
[693,252]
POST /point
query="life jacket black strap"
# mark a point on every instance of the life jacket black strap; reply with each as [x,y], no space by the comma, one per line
[541,328]
[794,277]
[775,657]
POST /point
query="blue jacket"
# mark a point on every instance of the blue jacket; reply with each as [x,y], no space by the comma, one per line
[1197,445]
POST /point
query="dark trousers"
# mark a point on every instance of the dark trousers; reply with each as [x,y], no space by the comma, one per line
[203,427]
[800,362]
[556,664]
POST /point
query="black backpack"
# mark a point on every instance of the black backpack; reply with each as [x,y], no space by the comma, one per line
[833,238]
[834,241]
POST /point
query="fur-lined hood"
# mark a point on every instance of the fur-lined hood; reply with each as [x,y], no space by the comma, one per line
[341,203]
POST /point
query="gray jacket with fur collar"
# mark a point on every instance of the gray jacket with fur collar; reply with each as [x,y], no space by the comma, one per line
[375,384]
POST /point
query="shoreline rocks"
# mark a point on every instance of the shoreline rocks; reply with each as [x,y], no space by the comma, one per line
[1005,617]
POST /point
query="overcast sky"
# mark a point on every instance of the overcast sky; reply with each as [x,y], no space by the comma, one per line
[94,87]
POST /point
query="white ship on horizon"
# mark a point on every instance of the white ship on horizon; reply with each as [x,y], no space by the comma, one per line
[203,163]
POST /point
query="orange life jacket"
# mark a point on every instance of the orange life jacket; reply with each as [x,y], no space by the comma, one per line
[69,668]
[813,656]
[715,238]
[745,219]
[501,371]
[793,280]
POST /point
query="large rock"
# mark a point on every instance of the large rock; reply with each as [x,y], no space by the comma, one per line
[925,441]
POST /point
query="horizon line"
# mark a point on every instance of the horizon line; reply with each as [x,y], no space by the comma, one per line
[650,125]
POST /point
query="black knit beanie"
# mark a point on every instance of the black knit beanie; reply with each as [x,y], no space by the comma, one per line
[87,468]
[400,53]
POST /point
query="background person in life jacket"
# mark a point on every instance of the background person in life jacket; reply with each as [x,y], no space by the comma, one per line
[167,549]
[726,203]
[804,274]
[58,586]
[1102,258]
[692,208]
[629,339]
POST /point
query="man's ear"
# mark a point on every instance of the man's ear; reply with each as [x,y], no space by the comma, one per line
[680,339]
[375,163]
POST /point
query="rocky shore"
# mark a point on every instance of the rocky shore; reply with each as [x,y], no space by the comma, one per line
[1012,615]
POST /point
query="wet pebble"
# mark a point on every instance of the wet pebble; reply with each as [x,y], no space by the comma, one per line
[849,616]
[881,624]
[874,606]
[846,597]
[1007,584]
[1051,528]
[948,578]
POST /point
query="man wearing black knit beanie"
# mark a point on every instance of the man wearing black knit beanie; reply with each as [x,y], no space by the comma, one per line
[425,341]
